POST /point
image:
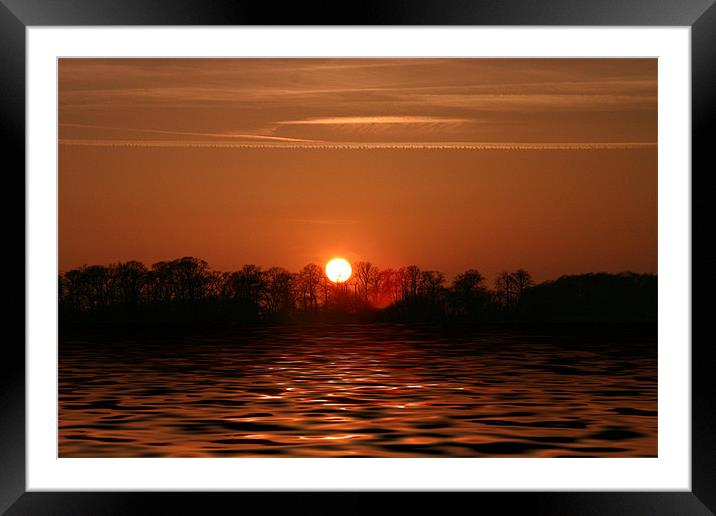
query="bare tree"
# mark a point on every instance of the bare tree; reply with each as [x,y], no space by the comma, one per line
[389,286]
[411,280]
[308,286]
[366,277]
[278,291]
[522,281]
[505,287]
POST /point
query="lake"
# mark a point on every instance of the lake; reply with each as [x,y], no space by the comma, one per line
[362,390]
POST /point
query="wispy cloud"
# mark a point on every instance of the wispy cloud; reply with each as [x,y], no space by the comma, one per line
[574,94]
[345,100]
[502,102]
[371,120]
[253,136]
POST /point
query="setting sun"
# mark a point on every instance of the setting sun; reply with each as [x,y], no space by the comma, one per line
[338,270]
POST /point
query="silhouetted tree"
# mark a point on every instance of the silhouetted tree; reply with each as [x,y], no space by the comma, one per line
[187,289]
[247,286]
[130,281]
[216,285]
[522,281]
[366,280]
[88,288]
[595,296]
[278,291]
[468,293]
[326,291]
[389,287]
[505,287]
[308,286]
[430,285]
[411,281]
[63,292]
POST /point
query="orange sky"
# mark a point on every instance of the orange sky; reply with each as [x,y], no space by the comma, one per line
[549,165]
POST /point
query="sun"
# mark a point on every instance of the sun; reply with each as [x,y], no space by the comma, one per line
[338,270]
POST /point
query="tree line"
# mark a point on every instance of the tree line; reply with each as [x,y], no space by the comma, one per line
[188,289]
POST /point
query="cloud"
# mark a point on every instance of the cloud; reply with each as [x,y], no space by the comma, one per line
[535,101]
[370,120]
[185,133]
[346,100]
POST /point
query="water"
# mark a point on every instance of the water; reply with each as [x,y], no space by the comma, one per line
[360,391]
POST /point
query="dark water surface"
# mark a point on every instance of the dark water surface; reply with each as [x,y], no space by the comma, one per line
[361,391]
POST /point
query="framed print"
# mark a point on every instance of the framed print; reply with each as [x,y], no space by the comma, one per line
[446,248]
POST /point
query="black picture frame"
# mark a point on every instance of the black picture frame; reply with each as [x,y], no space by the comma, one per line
[699,15]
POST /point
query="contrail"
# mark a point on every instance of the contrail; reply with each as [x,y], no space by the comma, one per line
[182,133]
[367,145]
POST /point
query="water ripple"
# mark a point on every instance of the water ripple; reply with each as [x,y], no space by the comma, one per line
[359,391]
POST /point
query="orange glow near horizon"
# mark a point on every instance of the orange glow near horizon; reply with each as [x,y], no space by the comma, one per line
[338,270]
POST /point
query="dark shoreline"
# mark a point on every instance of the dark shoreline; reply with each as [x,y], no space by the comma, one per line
[161,331]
